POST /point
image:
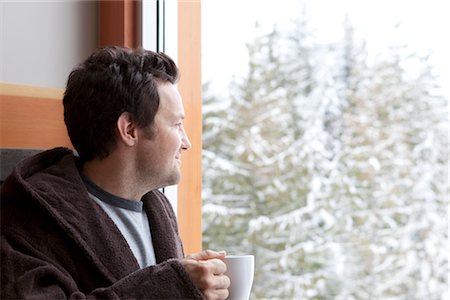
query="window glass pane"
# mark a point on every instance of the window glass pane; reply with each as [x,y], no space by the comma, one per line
[325,145]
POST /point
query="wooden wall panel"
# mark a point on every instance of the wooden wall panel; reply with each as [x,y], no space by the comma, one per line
[31,117]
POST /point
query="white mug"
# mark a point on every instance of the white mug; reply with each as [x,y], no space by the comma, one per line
[240,269]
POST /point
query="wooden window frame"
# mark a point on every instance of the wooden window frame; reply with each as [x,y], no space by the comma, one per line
[190,86]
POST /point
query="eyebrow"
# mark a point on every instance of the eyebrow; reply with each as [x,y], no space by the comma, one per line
[177,117]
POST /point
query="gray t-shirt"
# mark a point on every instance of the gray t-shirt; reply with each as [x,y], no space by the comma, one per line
[131,219]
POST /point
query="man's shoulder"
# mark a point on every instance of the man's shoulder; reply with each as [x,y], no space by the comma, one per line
[158,201]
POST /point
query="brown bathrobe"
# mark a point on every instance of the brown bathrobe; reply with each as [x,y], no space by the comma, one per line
[56,243]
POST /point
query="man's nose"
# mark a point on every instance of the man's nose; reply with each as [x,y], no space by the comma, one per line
[185,143]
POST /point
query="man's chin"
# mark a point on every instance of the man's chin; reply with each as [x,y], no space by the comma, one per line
[174,179]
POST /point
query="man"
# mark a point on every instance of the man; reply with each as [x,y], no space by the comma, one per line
[94,225]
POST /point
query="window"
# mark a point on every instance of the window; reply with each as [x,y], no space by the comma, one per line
[325,146]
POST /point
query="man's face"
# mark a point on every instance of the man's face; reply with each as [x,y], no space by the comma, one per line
[159,158]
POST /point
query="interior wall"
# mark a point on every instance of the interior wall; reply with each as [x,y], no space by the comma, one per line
[42,41]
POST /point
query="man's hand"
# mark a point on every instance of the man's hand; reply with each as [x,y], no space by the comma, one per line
[206,269]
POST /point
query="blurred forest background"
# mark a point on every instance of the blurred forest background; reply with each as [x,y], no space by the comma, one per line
[331,167]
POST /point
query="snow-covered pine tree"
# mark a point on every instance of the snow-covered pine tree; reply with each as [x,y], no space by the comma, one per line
[262,182]
[332,174]
[395,202]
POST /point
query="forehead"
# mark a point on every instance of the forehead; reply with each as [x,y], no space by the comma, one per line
[170,103]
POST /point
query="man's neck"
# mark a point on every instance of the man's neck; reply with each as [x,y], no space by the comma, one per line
[113,176]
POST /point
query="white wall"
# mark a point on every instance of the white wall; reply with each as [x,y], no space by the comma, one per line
[42,41]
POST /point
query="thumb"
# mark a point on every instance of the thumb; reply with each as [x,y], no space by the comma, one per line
[207,254]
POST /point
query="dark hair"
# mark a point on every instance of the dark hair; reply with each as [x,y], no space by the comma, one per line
[111,81]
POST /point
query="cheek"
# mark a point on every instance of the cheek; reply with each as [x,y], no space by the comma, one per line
[171,142]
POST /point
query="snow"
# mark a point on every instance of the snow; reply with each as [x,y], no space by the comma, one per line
[332,168]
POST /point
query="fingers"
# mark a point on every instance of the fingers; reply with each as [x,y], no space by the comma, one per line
[208,275]
[208,254]
[210,272]
[217,266]
[217,294]
[222,282]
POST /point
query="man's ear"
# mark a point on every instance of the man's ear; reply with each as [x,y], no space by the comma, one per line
[127,130]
